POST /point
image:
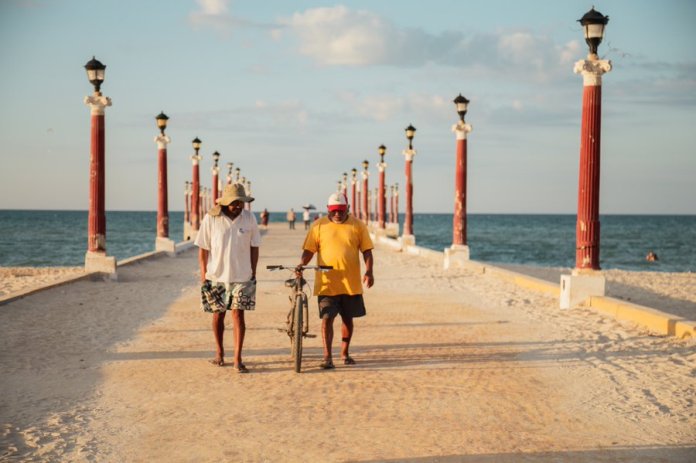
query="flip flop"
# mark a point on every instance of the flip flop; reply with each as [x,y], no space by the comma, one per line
[217,362]
[349,361]
[327,365]
[241,368]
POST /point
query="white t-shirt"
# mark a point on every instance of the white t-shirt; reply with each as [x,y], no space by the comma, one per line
[228,242]
[305,215]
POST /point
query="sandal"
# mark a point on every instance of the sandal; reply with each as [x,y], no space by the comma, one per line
[241,368]
[348,360]
[218,361]
[327,365]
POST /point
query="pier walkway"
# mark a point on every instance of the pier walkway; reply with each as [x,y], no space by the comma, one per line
[452,366]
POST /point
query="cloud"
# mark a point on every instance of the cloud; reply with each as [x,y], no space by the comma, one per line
[216,14]
[339,36]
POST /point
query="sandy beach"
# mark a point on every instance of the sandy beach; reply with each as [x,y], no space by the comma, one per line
[452,366]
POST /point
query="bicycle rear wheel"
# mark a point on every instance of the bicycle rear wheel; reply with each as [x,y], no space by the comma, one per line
[297,335]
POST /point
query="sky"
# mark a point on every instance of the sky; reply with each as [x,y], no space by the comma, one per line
[295,93]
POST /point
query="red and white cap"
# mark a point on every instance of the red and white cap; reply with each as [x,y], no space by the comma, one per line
[337,201]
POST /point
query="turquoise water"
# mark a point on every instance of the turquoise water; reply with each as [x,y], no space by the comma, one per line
[59,238]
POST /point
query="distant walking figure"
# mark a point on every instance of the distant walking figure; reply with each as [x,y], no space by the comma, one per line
[291,218]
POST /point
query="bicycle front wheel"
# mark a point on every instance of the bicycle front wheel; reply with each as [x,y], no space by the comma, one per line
[297,335]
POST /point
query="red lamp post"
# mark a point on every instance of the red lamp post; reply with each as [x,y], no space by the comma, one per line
[195,187]
[229,172]
[365,192]
[592,69]
[216,170]
[96,259]
[353,187]
[382,195]
[162,241]
[459,249]
[586,280]
[408,238]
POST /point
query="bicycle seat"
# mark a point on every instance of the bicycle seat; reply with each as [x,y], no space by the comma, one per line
[290,283]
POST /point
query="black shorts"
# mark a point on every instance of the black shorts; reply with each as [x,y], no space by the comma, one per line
[344,304]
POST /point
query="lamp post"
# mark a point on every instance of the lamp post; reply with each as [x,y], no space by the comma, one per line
[229,172]
[162,241]
[216,170]
[353,185]
[459,250]
[365,192]
[407,238]
[236,175]
[195,187]
[396,207]
[592,68]
[391,204]
[585,280]
[382,201]
[187,194]
[96,259]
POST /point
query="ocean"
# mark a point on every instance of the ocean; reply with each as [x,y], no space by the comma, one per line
[59,238]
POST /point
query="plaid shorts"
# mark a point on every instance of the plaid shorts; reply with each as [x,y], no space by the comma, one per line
[219,297]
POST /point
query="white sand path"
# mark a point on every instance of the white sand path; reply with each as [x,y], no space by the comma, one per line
[452,366]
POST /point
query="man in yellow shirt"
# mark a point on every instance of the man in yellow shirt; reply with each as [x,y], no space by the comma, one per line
[338,241]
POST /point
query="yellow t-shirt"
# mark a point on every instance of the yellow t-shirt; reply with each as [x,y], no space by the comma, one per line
[338,245]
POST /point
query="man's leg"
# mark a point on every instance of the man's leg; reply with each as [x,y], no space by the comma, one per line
[346,335]
[218,332]
[327,337]
[239,327]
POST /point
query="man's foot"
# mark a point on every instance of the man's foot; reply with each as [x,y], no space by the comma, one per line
[241,368]
[348,360]
[327,365]
[217,361]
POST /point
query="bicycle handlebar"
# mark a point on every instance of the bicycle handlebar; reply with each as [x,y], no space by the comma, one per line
[321,268]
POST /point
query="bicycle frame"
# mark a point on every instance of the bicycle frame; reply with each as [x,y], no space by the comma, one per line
[297,322]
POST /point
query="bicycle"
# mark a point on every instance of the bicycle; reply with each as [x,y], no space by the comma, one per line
[297,322]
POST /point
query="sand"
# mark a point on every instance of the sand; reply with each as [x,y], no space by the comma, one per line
[452,366]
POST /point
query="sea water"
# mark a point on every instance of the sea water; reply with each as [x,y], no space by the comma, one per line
[59,238]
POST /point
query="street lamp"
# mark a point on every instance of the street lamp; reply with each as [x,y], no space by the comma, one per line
[382,195]
[196,193]
[95,74]
[96,259]
[216,170]
[462,105]
[365,192]
[162,121]
[162,241]
[586,280]
[408,239]
[236,175]
[459,251]
[593,23]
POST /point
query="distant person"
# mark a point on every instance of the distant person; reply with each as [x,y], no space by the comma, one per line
[338,241]
[305,218]
[264,218]
[228,242]
[291,218]
[651,257]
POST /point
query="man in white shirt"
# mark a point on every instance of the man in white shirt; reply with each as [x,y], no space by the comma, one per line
[228,241]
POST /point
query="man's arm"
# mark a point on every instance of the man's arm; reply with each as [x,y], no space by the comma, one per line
[203,262]
[368,278]
[254,261]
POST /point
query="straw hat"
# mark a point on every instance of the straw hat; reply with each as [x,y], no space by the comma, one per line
[233,192]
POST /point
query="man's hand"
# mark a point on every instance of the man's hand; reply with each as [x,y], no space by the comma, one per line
[368,279]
